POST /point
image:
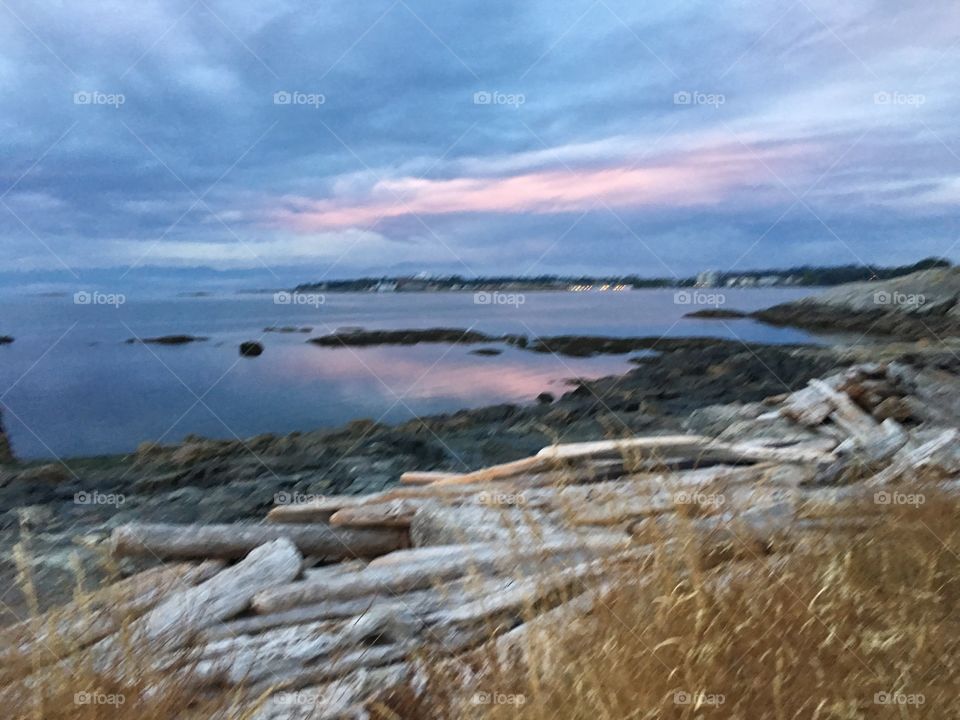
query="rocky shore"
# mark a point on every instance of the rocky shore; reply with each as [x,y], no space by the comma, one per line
[693,384]
[921,306]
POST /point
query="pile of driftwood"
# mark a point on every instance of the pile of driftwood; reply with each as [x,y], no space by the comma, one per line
[330,604]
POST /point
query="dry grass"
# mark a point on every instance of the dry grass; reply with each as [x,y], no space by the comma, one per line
[845,626]
[828,630]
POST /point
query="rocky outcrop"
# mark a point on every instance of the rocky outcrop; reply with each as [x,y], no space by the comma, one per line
[167,340]
[922,305]
[361,338]
[6,452]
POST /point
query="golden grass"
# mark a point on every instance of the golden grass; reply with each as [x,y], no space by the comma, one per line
[844,626]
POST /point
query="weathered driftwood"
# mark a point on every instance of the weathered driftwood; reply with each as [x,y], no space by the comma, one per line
[845,413]
[523,595]
[392,514]
[318,510]
[179,617]
[756,451]
[330,699]
[418,602]
[436,524]
[235,541]
[223,596]
[940,456]
[394,578]
[876,448]
[425,477]
[497,472]
[84,621]
[625,447]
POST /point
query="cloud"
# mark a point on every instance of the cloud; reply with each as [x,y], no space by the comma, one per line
[700,178]
[400,157]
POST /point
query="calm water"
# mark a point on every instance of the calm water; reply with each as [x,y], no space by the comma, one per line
[69,385]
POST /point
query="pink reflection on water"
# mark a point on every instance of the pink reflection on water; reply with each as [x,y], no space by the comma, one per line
[439,371]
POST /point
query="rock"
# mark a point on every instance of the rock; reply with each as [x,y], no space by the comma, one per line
[251,349]
[5,339]
[921,305]
[486,352]
[6,452]
[148,451]
[360,338]
[716,314]
[49,473]
[288,329]
[167,340]
[34,517]
[191,453]
[545,398]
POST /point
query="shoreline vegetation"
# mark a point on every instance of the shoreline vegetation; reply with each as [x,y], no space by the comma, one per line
[504,554]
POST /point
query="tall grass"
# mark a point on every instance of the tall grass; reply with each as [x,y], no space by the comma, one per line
[846,626]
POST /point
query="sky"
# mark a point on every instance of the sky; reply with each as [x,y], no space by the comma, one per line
[197,142]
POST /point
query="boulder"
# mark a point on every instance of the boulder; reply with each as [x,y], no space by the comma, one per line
[251,349]
[49,473]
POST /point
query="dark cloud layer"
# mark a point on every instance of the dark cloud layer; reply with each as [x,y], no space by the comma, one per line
[282,139]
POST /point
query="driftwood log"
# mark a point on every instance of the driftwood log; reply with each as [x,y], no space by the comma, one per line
[234,541]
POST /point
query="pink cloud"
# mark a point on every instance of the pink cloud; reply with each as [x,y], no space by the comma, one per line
[699,178]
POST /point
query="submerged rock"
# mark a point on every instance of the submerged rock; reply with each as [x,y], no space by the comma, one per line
[167,340]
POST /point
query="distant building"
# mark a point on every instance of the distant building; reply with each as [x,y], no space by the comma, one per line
[708,278]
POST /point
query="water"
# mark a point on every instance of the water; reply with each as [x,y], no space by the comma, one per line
[71,387]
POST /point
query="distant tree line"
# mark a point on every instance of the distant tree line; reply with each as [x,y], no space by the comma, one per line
[801,275]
